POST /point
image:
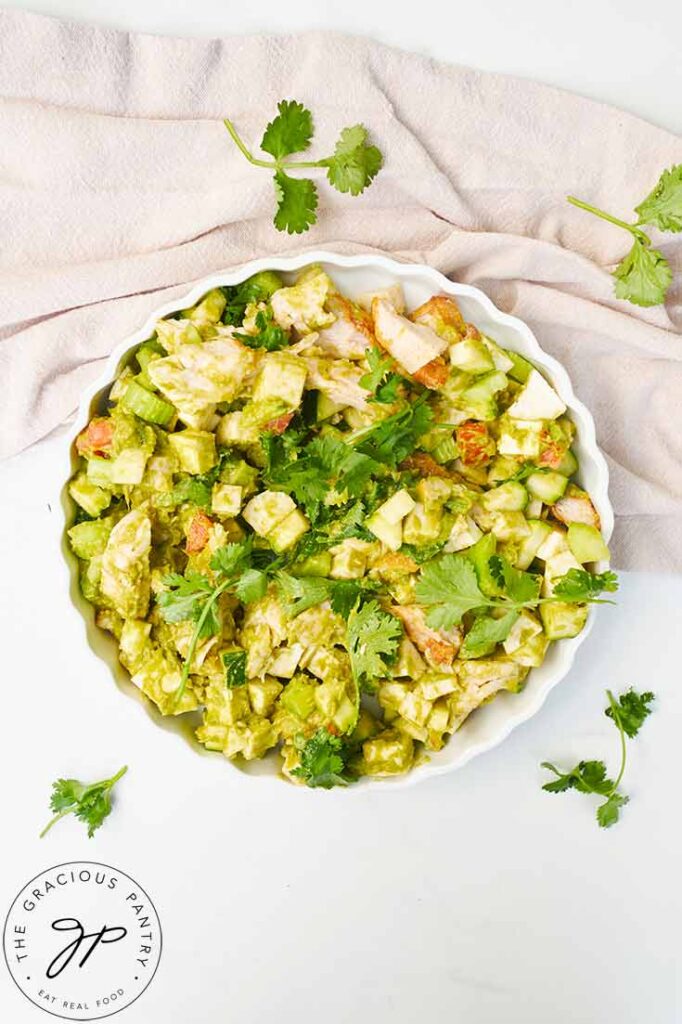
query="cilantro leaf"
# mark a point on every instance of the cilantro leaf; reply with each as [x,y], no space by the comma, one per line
[608,813]
[270,335]
[663,205]
[289,132]
[301,593]
[345,595]
[184,599]
[579,585]
[486,633]
[251,586]
[234,663]
[323,760]
[586,777]
[296,203]
[394,438]
[643,276]
[449,585]
[632,709]
[380,379]
[91,803]
[373,638]
[354,163]
[231,558]
[519,586]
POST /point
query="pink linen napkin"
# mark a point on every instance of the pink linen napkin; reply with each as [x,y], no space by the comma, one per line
[119,186]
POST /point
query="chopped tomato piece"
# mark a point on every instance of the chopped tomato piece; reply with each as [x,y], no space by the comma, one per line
[423,464]
[96,438]
[278,425]
[476,447]
[433,375]
[552,452]
[198,533]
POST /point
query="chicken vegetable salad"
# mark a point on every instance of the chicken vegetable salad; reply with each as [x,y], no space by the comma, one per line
[331,528]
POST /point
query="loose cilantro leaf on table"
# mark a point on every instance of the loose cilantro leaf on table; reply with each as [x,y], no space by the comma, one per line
[323,760]
[90,802]
[643,276]
[628,713]
[351,167]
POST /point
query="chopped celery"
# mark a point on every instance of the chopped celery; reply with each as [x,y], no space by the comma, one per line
[146,405]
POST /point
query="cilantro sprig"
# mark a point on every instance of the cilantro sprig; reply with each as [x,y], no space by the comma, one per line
[449,587]
[193,597]
[373,638]
[628,713]
[323,760]
[90,802]
[381,380]
[351,167]
[643,276]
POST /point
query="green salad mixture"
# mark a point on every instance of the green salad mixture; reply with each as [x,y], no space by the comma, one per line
[330,527]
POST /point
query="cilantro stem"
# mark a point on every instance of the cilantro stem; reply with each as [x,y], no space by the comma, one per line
[195,636]
[632,228]
[270,164]
[57,817]
[623,746]
[273,165]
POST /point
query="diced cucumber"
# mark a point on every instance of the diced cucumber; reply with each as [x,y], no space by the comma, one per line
[288,531]
[210,309]
[349,560]
[326,407]
[463,533]
[298,697]
[510,526]
[534,509]
[561,621]
[480,555]
[92,498]
[90,538]
[390,534]
[397,507]
[587,543]
[500,356]
[433,491]
[568,465]
[264,284]
[195,450]
[521,369]
[471,355]
[539,531]
[422,525]
[128,467]
[478,400]
[509,497]
[146,405]
[315,565]
[226,499]
[266,510]
[502,468]
[548,487]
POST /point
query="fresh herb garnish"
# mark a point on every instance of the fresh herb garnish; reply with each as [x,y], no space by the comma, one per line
[373,638]
[394,438]
[300,593]
[449,586]
[234,663]
[90,802]
[381,380]
[323,760]
[269,336]
[629,713]
[644,275]
[193,597]
[351,168]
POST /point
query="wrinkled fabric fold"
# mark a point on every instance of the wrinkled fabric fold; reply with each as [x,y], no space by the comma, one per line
[119,187]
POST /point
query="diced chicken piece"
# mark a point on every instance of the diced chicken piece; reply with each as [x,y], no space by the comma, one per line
[302,306]
[96,438]
[412,345]
[476,447]
[393,293]
[198,533]
[338,381]
[439,647]
[433,375]
[352,332]
[576,507]
[423,464]
[441,313]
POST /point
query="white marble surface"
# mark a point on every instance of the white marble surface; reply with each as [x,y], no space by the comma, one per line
[472,898]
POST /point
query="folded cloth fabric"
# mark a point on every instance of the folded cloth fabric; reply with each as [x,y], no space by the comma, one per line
[120,186]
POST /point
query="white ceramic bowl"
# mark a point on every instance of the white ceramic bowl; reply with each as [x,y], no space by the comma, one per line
[356,275]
